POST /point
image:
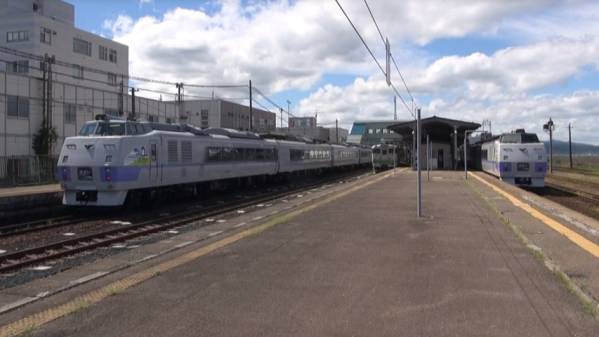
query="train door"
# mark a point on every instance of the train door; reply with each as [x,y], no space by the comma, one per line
[154,166]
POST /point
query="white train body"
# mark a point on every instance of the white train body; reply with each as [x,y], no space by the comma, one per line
[111,158]
[518,158]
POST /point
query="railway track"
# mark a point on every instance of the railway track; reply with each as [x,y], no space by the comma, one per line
[590,197]
[38,225]
[37,255]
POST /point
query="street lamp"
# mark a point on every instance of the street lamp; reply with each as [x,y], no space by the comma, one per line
[549,127]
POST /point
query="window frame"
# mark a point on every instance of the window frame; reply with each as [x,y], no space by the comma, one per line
[70,113]
[79,44]
[46,35]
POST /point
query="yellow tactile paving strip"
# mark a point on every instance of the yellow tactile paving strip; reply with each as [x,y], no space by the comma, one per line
[36,320]
[576,238]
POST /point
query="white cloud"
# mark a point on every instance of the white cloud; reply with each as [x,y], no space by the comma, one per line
[283,45]
[508,71]
[371,99]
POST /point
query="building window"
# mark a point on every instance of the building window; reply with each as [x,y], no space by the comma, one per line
[45,35]
[103,53]
[111,79]
[21,67]
[77,71]
[112,56]
[82,47]
[19,36]
[70,113]
[18,106]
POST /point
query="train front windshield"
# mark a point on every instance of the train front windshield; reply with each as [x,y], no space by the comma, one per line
[520,138]
[103,129]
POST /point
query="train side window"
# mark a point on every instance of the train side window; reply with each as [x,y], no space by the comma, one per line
[213,154]
[250,154]
[130,130]
[228,154]
[260,154]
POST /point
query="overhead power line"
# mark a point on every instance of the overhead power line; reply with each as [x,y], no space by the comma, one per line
[392,57]
[408,108]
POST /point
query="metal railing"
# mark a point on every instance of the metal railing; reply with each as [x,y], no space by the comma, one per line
[27,170]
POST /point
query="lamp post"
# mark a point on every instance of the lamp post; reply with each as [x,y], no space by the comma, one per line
[549,127]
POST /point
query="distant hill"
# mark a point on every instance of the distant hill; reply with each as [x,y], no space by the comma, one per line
[561,147]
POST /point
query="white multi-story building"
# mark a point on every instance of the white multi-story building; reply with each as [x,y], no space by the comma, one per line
[46,27]
[220,113]
[86,75]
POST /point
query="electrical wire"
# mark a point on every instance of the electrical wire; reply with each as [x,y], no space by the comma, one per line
[372,54]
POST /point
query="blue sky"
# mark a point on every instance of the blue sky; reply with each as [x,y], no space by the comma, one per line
[490,60]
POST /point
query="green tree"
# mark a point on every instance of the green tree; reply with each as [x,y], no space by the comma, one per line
[44,139]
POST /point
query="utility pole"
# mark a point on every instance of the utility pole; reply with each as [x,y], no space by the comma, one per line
[419,178]
[121,110]
[132,116]
[337,129]
[570,142]
[251,108]
[394,108]
[281,111]
[180,100]
[549,127]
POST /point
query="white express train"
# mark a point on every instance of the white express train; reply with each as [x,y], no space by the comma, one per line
[518,158]
[111,158]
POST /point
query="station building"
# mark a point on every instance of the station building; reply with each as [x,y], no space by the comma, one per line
[445,137]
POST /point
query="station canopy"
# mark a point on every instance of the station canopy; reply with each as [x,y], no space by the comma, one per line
[438,128]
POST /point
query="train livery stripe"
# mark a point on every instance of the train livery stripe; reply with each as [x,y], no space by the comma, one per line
[578,239]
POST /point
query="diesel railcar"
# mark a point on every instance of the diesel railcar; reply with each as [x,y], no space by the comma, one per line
[384,157]
[518,158]
[111,158]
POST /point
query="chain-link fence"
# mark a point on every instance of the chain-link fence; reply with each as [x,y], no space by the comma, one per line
[27,170]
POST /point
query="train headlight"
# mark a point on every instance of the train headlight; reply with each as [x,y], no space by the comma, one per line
[71,146]
[108,174]
[65,174]
[109,147]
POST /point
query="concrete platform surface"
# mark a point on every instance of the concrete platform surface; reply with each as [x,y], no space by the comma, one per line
[28,190]
[359,266]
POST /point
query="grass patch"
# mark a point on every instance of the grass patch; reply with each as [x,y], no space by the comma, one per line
[29,331]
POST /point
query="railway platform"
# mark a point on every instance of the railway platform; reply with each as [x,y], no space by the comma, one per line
[355,263]
[29,196]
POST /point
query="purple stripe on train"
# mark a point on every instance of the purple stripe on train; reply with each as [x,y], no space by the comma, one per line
[541,167]
[63,173]
[119,173]
[504,167]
